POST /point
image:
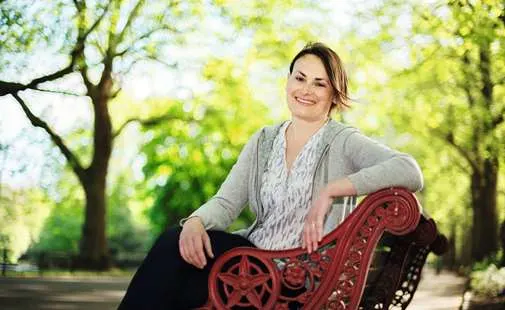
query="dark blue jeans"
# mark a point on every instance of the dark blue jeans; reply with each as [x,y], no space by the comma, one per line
[165,281]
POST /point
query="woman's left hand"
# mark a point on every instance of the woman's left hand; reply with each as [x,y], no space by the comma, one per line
[314,221]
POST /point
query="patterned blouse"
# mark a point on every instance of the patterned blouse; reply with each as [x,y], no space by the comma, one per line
[286,195]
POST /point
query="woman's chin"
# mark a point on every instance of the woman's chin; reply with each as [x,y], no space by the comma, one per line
[306,113]
[308,117]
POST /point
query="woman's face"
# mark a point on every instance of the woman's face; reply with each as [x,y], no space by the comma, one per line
[308,90]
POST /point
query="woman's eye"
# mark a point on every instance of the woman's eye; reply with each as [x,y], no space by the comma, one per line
[321,85]
[299,78]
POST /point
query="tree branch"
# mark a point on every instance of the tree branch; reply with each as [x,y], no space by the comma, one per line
[97,45]
[12,88]
[54,76]
[97,22]
[37,122]
[161,61]
[58,92]
[156,120]
[7,88]
[147,122]
[131,17]
[116,92]
[143,36]
[461,167]
[79,5]
[87,82]
[499,119]
[449,138]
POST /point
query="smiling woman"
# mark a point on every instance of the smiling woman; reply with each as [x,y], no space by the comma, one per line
[300,178]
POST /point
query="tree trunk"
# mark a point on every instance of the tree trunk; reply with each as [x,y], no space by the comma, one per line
[485,220]
[450,257]
[502,239]
[94,253]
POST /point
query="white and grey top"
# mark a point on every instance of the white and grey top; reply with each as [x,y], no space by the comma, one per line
[286,195]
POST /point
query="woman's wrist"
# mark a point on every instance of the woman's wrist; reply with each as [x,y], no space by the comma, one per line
[340,187]
[193,219]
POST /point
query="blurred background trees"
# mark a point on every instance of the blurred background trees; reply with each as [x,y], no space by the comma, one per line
[143,107]
[442,79]
[96,45]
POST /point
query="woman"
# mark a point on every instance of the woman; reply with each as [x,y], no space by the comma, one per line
[300,178]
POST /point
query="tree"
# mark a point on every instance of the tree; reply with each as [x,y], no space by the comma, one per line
[445,81]
[104,39]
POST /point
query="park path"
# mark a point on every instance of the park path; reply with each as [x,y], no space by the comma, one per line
[436,292]
[57,293]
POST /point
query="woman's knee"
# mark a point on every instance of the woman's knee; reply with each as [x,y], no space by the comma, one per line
[167,241]
[223,241]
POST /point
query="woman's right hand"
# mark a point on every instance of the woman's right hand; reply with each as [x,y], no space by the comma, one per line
[192,241]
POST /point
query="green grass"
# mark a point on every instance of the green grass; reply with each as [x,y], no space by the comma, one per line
[55,273]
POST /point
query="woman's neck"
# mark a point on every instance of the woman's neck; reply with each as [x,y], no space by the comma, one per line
[301,128]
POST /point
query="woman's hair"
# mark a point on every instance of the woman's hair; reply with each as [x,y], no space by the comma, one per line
[334,69]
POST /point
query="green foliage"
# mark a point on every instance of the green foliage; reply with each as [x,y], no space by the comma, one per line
[424,72]
[188,160]
[488,261]
[489,282]
[125,234]
[22,213]
[62,228]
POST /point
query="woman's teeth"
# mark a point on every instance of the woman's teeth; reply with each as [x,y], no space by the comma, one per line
[303,101]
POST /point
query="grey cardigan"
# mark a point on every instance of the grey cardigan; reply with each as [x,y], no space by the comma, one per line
[343,152]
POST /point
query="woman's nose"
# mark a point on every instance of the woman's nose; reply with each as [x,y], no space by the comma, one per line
[307,88]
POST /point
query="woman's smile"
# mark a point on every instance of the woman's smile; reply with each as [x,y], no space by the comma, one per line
[304,101]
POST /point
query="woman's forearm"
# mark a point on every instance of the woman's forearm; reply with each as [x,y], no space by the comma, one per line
[341,187]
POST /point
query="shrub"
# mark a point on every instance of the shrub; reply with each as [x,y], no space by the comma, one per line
[489,282]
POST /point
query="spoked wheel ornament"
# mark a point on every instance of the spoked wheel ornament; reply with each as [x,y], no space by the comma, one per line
[244,281]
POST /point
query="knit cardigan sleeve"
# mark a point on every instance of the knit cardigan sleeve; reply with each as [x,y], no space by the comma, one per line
[377,166]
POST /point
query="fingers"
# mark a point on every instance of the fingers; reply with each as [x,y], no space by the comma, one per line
[191,248]
[182,251]
[208,246]
[314,221]
[185,250]
[197,253]
[319,229]
[307,236]
[312,233]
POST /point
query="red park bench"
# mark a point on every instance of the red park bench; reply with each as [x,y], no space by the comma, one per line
[372,260]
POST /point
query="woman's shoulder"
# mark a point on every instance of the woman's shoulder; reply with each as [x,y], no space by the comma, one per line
[336,126]
[337,132]
[270,131]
